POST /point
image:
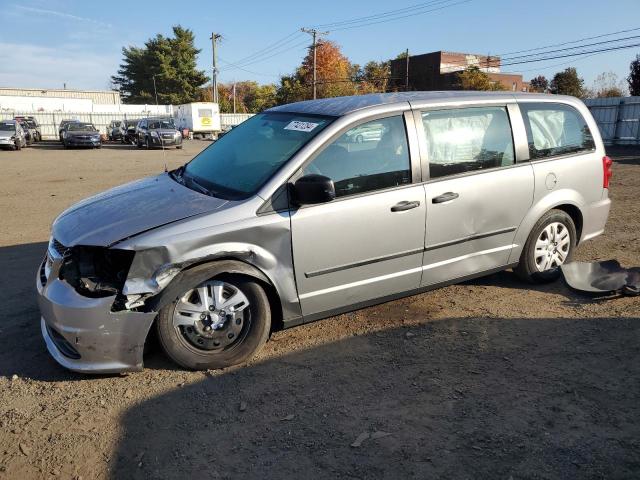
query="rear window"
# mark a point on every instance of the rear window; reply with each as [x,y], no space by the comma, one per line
[555,129]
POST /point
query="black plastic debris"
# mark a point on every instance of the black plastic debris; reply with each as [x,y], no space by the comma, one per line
[602,278]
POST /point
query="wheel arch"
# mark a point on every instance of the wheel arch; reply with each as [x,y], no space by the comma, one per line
[199,272]
[569,201]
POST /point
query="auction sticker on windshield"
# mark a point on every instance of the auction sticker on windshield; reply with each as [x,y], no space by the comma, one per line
[301,126]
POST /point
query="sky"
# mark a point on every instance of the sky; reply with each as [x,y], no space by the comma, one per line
[49,43]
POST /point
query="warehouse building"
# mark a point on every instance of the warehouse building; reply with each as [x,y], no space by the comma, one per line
[102,97]
[439,71]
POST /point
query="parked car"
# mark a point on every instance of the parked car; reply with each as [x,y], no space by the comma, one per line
[62,126]
[366,133]
[129,131]
[158,132]
[80,134]
[280,223]
[12,135]
[113,130]
[34,127]
[226,129]
[29,131]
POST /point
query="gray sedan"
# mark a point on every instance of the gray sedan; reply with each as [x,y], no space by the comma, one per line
[12,135]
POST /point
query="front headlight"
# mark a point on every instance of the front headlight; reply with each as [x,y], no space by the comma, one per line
[154,134]
[95,137]
[13,137]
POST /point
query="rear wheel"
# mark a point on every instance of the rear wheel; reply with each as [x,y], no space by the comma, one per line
[550,244]
[216,324]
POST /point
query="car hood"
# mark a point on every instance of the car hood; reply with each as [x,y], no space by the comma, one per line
[6,134]
[130,209]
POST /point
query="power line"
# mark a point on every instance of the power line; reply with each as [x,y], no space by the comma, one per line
[246,70]
[611,49]
[271,48]
[402,16]
[398,11]
[570,42]
[573,48]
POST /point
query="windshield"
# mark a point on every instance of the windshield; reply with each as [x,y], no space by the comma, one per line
[7,127]
[81,126]
[239,163]
[161,124]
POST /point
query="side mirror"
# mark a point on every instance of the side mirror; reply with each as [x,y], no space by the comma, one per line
[312,189]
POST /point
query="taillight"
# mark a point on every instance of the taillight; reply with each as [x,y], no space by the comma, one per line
[606,170]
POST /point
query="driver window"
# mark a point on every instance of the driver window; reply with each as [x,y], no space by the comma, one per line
[371,156]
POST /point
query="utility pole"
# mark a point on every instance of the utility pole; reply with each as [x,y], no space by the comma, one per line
[406,75]
[314,33]
[155,90]
[214,70]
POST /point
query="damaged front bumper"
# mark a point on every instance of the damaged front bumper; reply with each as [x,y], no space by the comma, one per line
[83,334]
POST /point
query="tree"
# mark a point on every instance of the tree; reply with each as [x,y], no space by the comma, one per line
[172,60]
[567,82]
[473,78]
[607,85]
[539,84]
[374,77]
[334,75]
[634,77]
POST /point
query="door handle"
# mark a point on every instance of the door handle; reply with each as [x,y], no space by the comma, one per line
[405,205]
[445,197]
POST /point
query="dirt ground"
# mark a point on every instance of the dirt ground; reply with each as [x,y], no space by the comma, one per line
[488,379]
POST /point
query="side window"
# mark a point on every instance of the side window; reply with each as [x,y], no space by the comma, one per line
[467,139]
[371,156]
[555,129]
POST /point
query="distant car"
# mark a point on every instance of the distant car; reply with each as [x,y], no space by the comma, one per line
[78,134]
[29,131]
[226,129]
[113,130]
[158,132]
[62,126]
[366,133]
[34,127]
[128,131]
[12,135]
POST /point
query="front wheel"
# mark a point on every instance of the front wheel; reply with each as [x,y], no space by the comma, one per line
[550,244]
[216,324]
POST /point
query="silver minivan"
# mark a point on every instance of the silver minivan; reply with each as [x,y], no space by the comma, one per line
[286,220]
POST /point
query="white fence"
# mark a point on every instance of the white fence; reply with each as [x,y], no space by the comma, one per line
[228,119]
[618,119]
[50,121]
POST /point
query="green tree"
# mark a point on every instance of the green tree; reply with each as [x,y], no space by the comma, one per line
[374,77]
[567,82]
[172,60]
[634,77]
[475,79]
[539,84]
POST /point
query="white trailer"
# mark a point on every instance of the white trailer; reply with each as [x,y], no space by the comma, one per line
[201,118]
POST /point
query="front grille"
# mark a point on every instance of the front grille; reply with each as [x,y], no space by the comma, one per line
[167,135]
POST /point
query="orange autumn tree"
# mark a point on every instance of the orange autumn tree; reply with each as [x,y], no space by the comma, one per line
[334,75]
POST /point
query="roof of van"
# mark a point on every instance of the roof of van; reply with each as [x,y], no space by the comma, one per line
[339,106]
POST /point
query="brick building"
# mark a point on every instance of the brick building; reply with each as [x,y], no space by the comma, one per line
[439,71]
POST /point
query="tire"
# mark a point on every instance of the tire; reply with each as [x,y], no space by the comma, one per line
[146,143]
[179,147]
[181,346]
[550,231]
[17,146]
